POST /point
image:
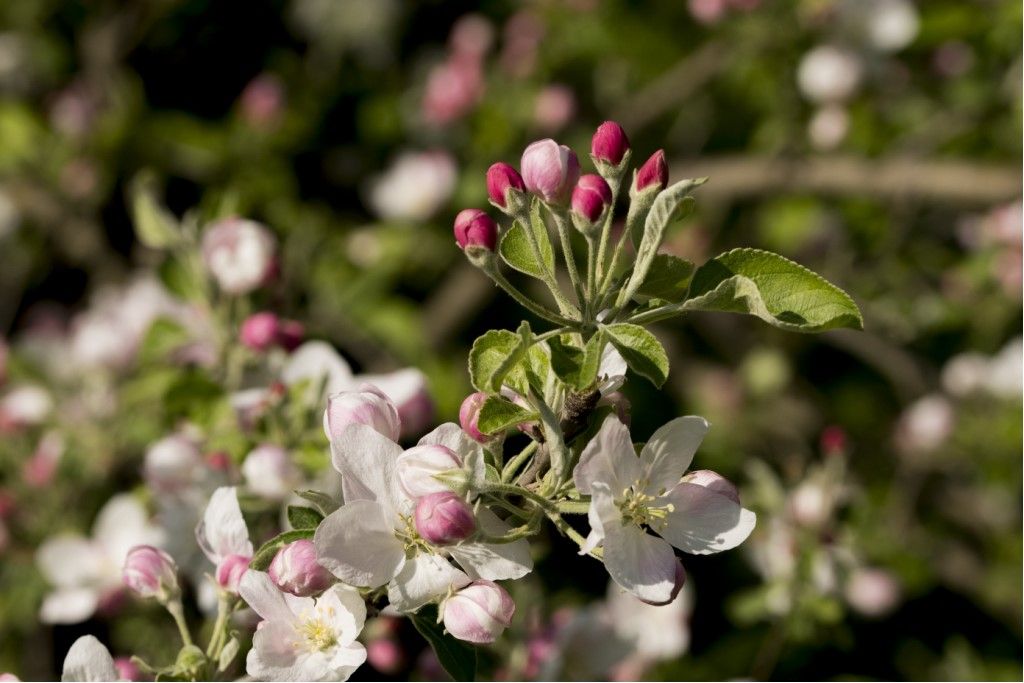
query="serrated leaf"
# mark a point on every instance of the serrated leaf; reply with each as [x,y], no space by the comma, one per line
[574,366]
[155,226]
[320,500]
[672,204]
[780,292]
[497,357]
[301,517]
[497,414]
[642,351]
[516,251]
[668,279]
[457,657]
[265,555]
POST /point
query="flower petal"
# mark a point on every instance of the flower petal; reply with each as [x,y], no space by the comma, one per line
[266,599]
[357,544]
[273,656]
[451,436]
[316,361]
[669,452]
[349,610]
[422,579]
[608,458]
[346,660]
[89,660]
[69,560]
[705,522]
[69,605]
[611,372]
[222,531]
[122,524]
[494,561]
[366,460]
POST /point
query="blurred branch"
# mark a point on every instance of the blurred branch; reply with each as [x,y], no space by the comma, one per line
[899,367]
[458,298]
[895,178]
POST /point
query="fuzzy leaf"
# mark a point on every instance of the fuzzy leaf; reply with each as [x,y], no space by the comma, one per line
[780,292]
[643,352]
[323,502]
[301,517]
[457,657]
[497,414]
[516,251]
[497,357]
[574,366]
[668,279]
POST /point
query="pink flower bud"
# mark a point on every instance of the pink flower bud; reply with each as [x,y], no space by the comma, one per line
[262,101]
[474,228]
[239,254]
[150,572]
[713,482]
[591,196]
[479,612]
[231,570]
[654,173]
[260,331]
[290,334]
[469,413]
[8,677]
[385,655]
[296,571]
[418,465]
[680,580]
[609,143]
[501,179]
[443,518]
[550,170]
[368,406]
[126,669]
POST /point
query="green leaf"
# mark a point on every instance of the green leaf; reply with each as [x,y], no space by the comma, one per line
[672,204]
[574,366]
[496,354]
[163,338]
[301,517]
[457,657]
[775,289]
[516,251]
[668,279]
[643,352]
[323,502]
[265,555]
[497,414]
[155,226]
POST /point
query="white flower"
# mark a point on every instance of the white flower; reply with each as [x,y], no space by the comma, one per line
[828,74]
[891,24]
[925,424]
[89,660]
[629,493]
[270,473]
[415,187]
[872,592]
[239,254]
[26,405]
[656,632]
[223,536]
[85,570]
[302,639]
[371,541]
[173,464]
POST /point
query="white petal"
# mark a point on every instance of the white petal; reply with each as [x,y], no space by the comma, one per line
[357,544]
[705,522]
[669,452]
[266,599]
[612,370]
[89,660]
[346,660]
[122,524]
[69,560]
[367,463]
[222,531]
[608,458]
[69,605]
[424,578]
[462,444]
[494,561]
[273,656]
[349,611]
[315,361]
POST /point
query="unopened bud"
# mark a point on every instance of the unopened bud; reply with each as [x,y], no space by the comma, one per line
[469,416]
[231,570]
[418,467]
[609,143]
[478,613]
[259,331]
[590,199]
[550,170]
[150,572]
[296,571]
[474,228]
[502,179]
[443,518]
[368,406]
[654,173]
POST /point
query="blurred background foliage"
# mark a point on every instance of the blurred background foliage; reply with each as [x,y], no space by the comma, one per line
[876,141]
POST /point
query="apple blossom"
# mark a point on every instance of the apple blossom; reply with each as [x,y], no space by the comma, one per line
[368,405]
[653,173]
[418,468]
[302,639]
[474,228]
[591,197]
[269,472]
[295,570]
[444,518]
[469,414]
[173,464]
[502,179]
[609,144]
[479,612]
[415,187]
[150,572]
[89,660]
[550,170]
[224,538]
[629,493]
[239,254]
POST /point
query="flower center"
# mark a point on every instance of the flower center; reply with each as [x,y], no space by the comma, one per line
[317,634]
[410,538]
[636,508]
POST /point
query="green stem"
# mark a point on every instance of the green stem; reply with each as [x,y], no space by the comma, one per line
[655,314]
[215,645]
[574,507]
[550,509]
[564,306]
[176,611]
[525,302]
[591,279]
[562,224]
[509,472]
[615,183]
